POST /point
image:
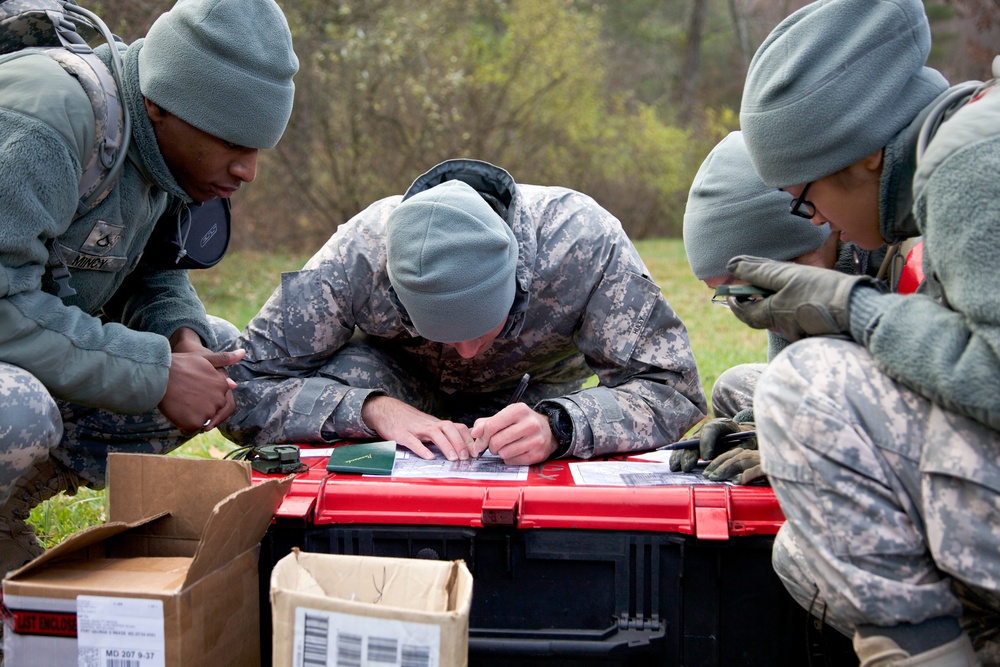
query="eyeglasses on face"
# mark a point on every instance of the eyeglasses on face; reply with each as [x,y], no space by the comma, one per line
[718,300]
[800,206]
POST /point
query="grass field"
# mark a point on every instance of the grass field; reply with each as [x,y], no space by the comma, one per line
[237,287]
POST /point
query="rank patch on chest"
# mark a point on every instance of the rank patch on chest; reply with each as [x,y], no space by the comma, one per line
[96,253]
[102,239]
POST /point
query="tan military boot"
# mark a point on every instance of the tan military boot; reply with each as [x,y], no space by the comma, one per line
[879,651]
[17,539]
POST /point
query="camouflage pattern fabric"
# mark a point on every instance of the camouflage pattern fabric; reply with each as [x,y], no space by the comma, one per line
[28,23]
[25,24]
[733,390]
[96,81]
[584,305]
[879,531]
[33,425]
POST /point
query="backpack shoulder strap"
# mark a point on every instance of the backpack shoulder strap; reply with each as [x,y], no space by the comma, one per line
[99,172]
[63,29]
[891,268]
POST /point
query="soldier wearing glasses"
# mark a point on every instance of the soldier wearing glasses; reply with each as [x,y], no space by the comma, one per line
[879,430]
[731,212]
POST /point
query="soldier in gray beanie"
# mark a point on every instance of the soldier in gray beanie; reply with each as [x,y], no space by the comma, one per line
[879,430]
[835,96]
[224,66]
[730,212]
[419,318]
[102,349]
[449,252]
[815,102]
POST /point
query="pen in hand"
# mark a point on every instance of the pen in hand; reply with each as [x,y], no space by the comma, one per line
[519,390]
[514,398]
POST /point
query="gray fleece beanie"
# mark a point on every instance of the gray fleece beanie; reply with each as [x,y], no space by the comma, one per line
[224,66]
[833,83]
[451,260]
[731,212]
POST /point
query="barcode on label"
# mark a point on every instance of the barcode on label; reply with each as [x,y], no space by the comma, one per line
[114,662]
[383,650]
[332,639]
[348,650]
[317,638]
[416,656]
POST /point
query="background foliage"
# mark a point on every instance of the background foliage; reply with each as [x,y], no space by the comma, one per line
[618,99]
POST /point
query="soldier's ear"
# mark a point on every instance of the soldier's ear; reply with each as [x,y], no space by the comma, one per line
[873,162]
[154,110]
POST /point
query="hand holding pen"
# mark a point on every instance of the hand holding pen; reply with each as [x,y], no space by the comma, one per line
[514,398]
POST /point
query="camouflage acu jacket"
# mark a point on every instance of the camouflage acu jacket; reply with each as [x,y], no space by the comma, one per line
[585,305]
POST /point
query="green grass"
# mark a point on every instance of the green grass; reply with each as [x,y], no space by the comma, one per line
[237,287]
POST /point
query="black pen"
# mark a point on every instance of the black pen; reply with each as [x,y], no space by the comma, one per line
[514,398]
[739,436]
[519,390]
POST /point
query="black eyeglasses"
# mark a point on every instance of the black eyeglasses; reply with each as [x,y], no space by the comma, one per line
[801,207]
[718,300]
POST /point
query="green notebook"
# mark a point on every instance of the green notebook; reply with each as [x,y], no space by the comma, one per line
[363,458]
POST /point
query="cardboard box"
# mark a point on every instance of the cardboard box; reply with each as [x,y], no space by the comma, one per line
[171,579]
[369,609]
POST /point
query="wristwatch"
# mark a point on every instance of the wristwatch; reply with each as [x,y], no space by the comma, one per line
[561,426]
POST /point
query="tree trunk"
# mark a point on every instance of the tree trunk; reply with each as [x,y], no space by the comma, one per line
[740,27]
[688,77]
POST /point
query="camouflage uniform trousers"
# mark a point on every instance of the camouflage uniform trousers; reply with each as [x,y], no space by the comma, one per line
[363,362]
[34,426]
[890,500]
[733,390]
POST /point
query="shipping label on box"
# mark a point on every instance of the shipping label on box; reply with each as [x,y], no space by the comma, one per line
[331,638]
[120,631]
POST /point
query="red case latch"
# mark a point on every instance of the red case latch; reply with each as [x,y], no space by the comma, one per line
[500,506]
[711,513]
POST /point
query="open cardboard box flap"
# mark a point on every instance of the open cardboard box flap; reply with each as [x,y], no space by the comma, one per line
[81,541]
[160,506]
[181,531]
[251,509]
[144,485]
[416,584]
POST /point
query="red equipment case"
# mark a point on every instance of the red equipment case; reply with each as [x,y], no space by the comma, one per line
[575,575]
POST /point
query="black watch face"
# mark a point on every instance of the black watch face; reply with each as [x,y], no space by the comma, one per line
[561,425]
